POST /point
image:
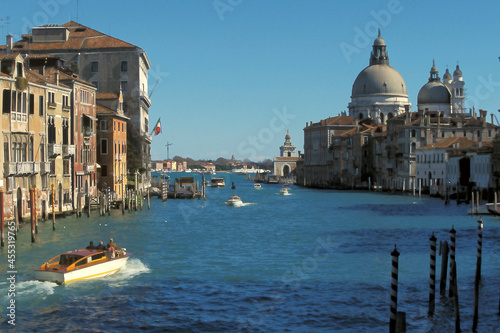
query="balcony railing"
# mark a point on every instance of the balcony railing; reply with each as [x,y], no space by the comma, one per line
[21,168]
[44,167]
[54,149]
[88,168]
[10,168]
[68,150]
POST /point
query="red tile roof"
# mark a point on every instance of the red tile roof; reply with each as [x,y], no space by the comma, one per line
[80,38]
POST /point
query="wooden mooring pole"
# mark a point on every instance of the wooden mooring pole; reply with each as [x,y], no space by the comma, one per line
[394,290]
[32,214]
[478,273]
[452,257]
[455,296]
[2,217]
[444,268]
[432,275]
[53,209]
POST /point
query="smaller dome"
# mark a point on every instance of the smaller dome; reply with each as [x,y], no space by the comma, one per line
[287,137]
[379,41]
[457,72]
[447,75]
[434,92]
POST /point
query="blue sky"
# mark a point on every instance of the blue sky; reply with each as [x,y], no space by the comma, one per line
[235,74]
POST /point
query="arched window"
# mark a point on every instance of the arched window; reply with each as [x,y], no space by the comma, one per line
[413,147]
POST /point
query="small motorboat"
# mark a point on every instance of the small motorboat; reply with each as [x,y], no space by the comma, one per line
[284,191]
[257,186]
[491,208]
[81,264]
[218,182]
[234,200]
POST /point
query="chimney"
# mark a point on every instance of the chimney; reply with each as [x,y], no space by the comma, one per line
[42,70]
[57,77]
[483,114]
[9,43]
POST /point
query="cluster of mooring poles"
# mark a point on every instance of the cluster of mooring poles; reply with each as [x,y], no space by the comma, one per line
[134,200]
[397,323]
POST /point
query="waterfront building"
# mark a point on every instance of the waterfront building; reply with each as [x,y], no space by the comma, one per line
[24,137]
[80,152]
[379,140]
[108,63]
[112,143]
[285,164]
[317,167]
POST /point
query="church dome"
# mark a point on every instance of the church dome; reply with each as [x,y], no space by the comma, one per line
[379,41]
[447,76]
[434,92]
[457,72]
[379,79]
[287,137]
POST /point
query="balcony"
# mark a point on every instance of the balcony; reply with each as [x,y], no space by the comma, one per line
[21,168]
[44,167]
[54,149]
[88,168]
[147,136]
[68,150]
[144,96]
[10,168]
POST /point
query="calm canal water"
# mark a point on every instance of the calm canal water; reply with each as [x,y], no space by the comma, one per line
[313,261]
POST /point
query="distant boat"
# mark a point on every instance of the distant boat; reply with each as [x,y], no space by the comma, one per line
[218,182]
[257,186]
[234,200]
[272,179]
[491,208]
[284,191]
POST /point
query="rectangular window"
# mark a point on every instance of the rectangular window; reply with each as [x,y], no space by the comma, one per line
[6,101]
[104,146]
[40,105]
[94,66]
[124,66]
[104,125]
[104,170]
[65,100]
[32,104]
[96,83]
[66,166]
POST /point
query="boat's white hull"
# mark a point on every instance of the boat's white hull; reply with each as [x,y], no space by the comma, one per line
[89,272]
[234,202]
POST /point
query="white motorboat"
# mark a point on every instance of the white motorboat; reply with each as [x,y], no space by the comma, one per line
[234,200]
[284,191]
[257,186]
[81,264]
[218,182]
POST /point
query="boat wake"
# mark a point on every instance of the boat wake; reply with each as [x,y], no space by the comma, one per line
[34,288]
[132,268]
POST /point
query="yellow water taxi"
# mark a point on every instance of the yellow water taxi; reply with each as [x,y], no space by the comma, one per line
[81,264]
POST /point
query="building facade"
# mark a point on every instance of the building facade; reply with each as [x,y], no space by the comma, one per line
[108,63]
[285,164]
